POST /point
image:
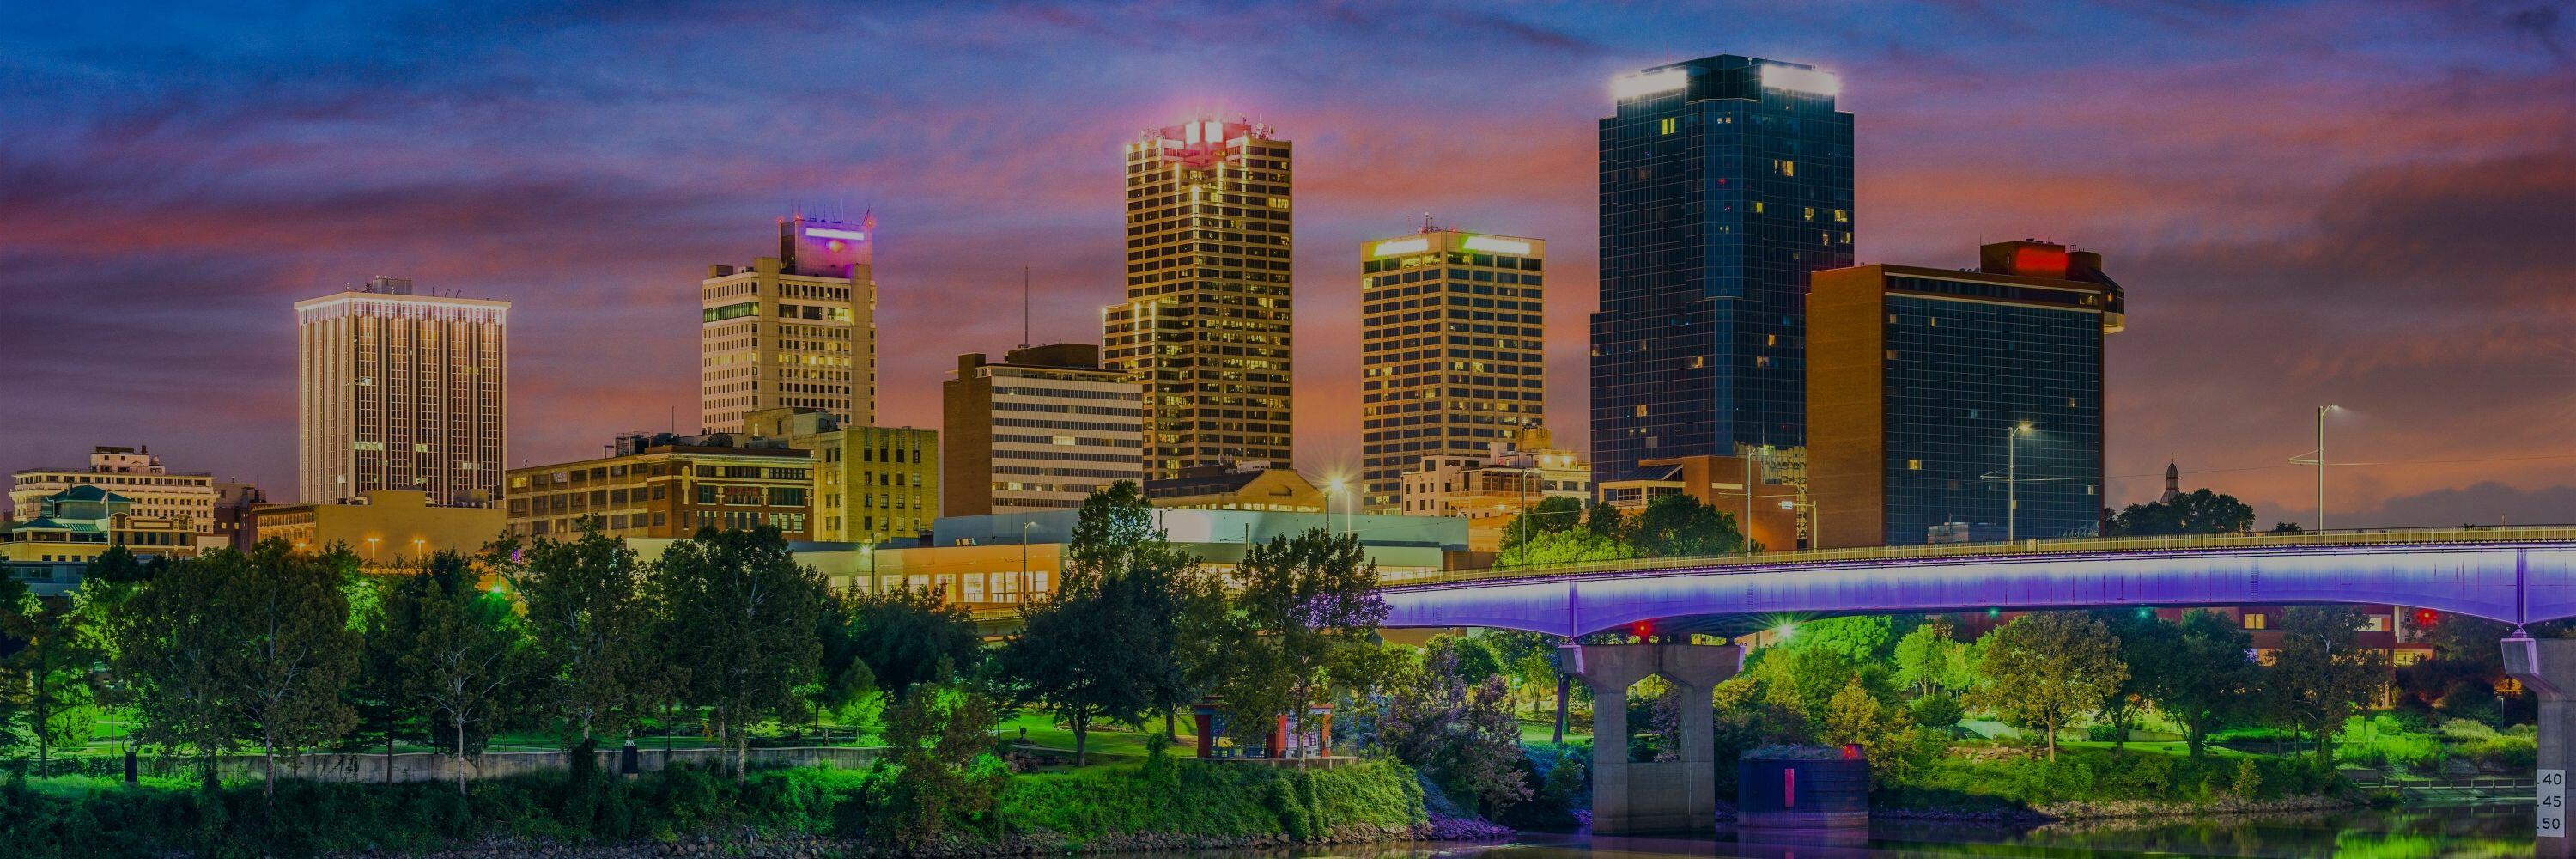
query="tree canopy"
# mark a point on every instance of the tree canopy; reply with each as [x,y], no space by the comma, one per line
[741,613]
[2048,669]
[2199,511]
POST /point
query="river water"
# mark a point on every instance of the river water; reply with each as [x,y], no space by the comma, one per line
[2388,834]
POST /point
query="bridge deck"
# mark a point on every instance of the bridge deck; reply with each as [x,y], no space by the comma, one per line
[2498,535]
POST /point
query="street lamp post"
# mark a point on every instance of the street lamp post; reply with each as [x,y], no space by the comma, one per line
[1023,595]
[2012,480]
[2321,466]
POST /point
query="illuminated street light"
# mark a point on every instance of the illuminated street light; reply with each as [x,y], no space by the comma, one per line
[2012,480]
[1336,486]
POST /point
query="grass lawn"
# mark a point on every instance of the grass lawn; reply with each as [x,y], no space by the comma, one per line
[2177,747]
[1105,739]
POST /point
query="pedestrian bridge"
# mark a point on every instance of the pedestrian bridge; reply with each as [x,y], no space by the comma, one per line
[2516,575]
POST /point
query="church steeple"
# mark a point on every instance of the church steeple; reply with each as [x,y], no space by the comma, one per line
[2173,482]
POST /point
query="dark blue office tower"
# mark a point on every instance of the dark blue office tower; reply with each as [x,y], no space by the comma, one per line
[1725,182]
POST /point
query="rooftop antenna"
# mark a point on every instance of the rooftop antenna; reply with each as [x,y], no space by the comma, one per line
[1024,305]
[1426,223]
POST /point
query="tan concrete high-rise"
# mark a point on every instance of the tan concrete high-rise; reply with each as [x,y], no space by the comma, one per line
[1452,355]
[400,391]
[1206,321]
[797,330]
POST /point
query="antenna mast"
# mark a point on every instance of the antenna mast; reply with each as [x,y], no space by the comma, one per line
[1024,305]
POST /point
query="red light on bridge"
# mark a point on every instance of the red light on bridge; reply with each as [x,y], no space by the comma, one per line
[2426,616]
[1851,752]
[1643,630]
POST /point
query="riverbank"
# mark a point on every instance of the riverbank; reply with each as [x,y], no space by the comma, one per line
[753,846]
[1166,804]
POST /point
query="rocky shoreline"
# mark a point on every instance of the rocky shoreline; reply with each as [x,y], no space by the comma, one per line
[2076,812]
[751,845]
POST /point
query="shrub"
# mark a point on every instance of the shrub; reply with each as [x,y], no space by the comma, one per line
[1222,799]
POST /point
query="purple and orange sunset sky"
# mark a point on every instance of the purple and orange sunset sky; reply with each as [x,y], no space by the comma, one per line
[2369,204]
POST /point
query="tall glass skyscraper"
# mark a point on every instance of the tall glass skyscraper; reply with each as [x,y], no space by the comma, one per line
[1725,182]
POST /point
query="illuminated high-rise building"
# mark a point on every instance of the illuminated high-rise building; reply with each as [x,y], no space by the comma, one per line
[400,391]
[1952,404]
[1451,351]
[1205,323]
[794,331]
[1725,182]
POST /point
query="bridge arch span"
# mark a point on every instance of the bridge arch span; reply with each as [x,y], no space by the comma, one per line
[2514,583]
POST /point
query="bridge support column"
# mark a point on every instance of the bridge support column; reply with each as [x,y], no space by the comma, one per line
[2548,668]
[1653,795]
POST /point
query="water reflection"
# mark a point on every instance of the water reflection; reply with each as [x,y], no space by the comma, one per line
[2450,832]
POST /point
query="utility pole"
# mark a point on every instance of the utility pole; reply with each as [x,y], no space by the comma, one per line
[2321,466]
[2012,481]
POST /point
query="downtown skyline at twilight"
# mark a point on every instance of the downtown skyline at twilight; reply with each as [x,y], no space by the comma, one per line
[2309,204]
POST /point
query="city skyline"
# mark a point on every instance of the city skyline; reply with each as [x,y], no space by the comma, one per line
[2238,283]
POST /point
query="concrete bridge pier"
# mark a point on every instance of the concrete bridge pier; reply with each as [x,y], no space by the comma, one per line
[2548,668]
[1657,795]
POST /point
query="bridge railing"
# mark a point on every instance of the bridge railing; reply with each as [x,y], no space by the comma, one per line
[2088,545]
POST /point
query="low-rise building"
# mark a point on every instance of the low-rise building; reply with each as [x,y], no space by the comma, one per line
[871,484]
[667,485]
[236,525]
[1491,490]
[78,524]
[1244,486]
[383,527]
[1000,560]
[1774,512]
[132,473]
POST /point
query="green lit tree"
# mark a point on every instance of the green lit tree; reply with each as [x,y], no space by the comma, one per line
[590,626]
[2049,669]
[230,646]
[1300,627]
[2146,646]
[939,739]
[2320,672]
[1931,661]
[1554,514]
[741,612]
[50,678]
[468,660]
[2207,675]
[1678,525]
[903,636]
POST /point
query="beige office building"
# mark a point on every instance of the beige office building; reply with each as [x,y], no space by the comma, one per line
[1041,430]
[400,391]
[384,528]
[1452,355]
[797,330]
[133,473]
[1206,321]
[666,485]
[871,484]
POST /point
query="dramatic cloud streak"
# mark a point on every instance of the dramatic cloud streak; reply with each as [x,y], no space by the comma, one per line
[2309,202]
